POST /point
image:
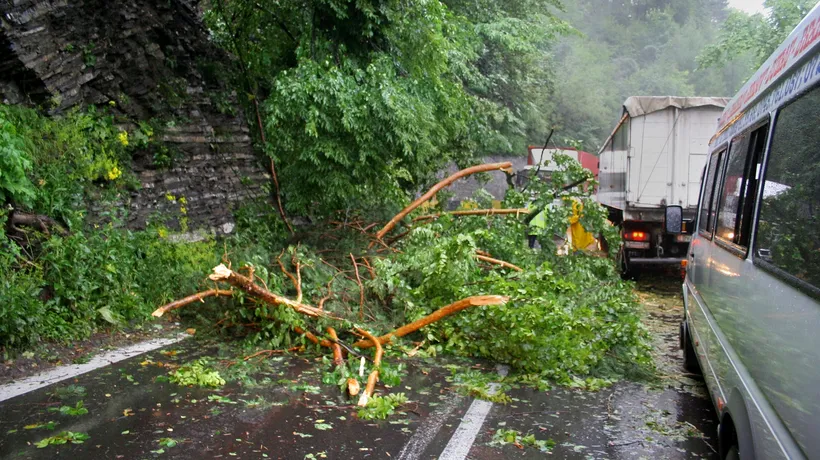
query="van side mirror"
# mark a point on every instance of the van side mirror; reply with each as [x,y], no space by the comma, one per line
[673,219]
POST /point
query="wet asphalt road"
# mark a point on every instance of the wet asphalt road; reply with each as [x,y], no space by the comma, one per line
[289,414]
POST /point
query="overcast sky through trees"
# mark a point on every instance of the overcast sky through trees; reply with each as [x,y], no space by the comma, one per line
[749,6]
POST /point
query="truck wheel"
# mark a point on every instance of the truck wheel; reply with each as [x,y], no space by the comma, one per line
[690,359]
[628,271]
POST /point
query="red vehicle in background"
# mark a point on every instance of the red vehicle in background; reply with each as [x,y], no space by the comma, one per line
[543,157]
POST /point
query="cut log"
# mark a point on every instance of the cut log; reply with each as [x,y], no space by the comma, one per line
[441,313]
[506,166]
[190,299]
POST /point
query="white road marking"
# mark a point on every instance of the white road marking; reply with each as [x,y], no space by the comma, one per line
[430,427]
[10,390]
[462,441]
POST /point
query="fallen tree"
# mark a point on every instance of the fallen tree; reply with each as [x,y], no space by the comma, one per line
[222,273]
[557,318]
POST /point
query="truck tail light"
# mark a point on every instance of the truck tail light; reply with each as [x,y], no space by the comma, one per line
[636,236]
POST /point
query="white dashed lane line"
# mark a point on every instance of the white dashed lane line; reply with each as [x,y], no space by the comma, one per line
[462,441]
[10,390]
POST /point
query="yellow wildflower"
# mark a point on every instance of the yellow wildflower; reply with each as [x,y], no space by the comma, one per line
[123,138]
[114,173]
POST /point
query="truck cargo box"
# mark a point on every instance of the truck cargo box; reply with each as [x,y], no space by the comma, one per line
[656,154]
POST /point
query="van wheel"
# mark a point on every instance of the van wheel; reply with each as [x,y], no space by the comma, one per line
[690,359]
[733,454]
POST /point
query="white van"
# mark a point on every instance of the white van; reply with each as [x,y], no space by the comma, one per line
[752,286]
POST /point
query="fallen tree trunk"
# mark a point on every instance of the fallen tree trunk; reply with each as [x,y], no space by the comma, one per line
[190,299]
[506,166]
[435,316]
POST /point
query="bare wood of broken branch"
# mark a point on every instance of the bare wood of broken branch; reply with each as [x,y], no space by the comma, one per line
[374,374]
[506,166]
[329,295]
[338,358]
[190,299]
[437,315]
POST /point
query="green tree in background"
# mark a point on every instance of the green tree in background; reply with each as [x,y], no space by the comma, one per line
[755,35]
[628,48]
[365,101]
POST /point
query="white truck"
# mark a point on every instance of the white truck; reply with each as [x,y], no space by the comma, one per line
[654,159]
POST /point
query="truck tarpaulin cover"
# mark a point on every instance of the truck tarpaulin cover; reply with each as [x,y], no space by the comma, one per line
[637,106]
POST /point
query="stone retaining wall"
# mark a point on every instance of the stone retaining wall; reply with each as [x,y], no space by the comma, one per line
[144,60]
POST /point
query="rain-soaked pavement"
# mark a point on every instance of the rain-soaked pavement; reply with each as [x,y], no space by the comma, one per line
[286,412]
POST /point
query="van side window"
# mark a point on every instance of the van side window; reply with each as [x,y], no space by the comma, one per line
[788,235]
[706,221]
[739,186]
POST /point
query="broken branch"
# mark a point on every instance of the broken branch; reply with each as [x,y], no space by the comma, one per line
[476,212]
[190,299]
[498,262]
[312,337]
[441,313]
[225,274]
[374,374]
[430,193]
[338,359]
